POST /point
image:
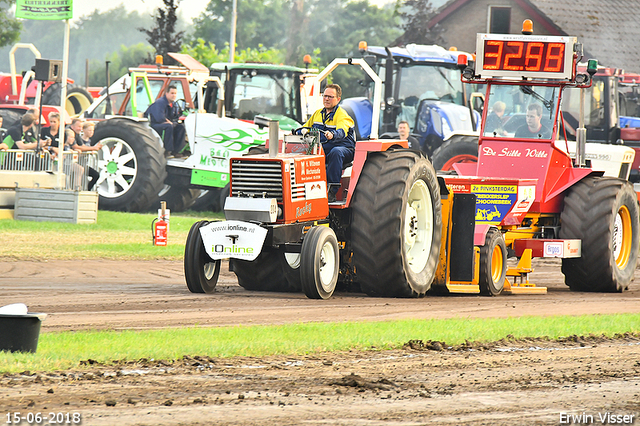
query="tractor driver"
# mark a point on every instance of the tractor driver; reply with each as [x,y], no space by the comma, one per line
[336,135]
[534,129]
[163,116]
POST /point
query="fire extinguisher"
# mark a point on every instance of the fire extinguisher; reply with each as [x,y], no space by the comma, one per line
[160,227]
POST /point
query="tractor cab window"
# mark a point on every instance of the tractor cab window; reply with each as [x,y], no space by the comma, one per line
[271,95]
[116,100]
[520,111]
[142,99]
[420,84]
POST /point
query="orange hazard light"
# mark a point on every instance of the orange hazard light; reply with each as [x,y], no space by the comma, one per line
[527,27]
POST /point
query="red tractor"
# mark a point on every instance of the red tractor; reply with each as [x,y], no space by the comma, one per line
[398,229]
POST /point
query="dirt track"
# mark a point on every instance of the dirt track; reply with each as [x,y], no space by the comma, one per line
[511,383]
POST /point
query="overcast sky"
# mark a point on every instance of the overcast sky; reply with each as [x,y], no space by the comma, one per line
[189,9]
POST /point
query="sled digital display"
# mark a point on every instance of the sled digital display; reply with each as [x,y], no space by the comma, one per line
[506,55]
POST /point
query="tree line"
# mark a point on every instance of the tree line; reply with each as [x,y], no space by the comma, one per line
[280,31]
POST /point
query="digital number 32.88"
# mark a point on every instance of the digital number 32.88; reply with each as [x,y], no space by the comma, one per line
[524,56]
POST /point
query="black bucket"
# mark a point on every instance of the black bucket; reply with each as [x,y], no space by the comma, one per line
[19,333]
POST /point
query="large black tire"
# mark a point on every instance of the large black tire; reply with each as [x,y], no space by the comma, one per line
[179,198]
[493,264]
[78,99]
[200,271]
[211,200]
[319,263]
[10,117]
[458,149]
[132,165]
[390,261]
[265,273]
[603,213]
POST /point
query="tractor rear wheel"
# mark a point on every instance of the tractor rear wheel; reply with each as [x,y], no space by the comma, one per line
[397,224]
[132,165]
[179,198]
[319,263]
[268,272]
[200,271]
[493,264]
[78,99]
[603,213]
[458,149]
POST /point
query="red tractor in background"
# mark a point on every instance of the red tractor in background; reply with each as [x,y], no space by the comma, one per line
[399,230]
[19,92]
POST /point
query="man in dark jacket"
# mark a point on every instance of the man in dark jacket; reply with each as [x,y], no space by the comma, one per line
[163,115]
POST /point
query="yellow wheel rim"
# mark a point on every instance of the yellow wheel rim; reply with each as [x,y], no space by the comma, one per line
[622,237]
[497,263]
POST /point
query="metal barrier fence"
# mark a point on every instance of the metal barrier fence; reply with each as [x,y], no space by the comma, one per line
[76,166]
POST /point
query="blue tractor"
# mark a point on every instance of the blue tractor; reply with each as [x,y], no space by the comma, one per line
[421,85]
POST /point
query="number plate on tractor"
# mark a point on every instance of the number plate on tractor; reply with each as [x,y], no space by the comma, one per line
[233,239]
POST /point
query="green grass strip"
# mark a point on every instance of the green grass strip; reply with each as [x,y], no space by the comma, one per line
[66,349]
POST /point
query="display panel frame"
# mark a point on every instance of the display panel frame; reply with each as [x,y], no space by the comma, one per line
[567,63]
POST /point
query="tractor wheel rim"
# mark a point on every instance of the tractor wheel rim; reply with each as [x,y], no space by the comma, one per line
[622,237]
[418,226]
[76,104]
[118,168]
[209,270]
[293,260]
[497,264]
[327,266]
[465,158]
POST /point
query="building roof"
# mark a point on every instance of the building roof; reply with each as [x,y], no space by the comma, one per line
[608,29]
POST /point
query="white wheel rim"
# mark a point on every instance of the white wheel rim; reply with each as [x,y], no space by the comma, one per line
[209,270]
[418,226]
[293,260]
[327,266]
[618,231]
[118,168]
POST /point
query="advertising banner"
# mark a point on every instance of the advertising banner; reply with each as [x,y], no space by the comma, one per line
[44,10]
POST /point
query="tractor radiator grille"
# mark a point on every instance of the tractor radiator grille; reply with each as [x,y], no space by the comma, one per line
[256,179]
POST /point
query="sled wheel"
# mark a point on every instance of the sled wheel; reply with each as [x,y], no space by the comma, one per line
[603,213]
[319,263]
[397,224]
[493,264]
[200,271]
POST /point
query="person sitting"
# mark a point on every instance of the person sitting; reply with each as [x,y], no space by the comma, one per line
[534,129]
[79,145]
[20,136]
[88,128]
[52,133]
[163,116]
[493,124]
[336,135]
[405,134]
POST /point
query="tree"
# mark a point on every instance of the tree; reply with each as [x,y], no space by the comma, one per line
[163,36]
[259,22]
[120,62]
[10,27]
[207,53]
[92,37]
[416,15]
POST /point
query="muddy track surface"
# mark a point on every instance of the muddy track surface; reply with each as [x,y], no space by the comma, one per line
[529,382]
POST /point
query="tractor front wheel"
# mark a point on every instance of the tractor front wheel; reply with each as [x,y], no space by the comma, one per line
[319,263]
[603,213]
[200,271]
[493,264]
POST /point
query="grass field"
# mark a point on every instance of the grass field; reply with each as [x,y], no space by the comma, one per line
[128,236]
[115,236]
[66,349]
